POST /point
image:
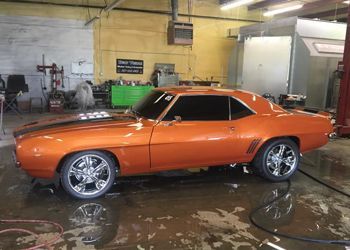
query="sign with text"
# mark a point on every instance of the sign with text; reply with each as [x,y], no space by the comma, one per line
[127,66]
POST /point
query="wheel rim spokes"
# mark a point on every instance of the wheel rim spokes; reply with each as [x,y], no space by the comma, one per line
[76,171]
[87,161]
[101,166]
[80,187]
[100,184]
[281,150]
[89,174]
[281,160]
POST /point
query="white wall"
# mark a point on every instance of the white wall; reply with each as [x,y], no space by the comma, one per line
[266,64]
[23,40]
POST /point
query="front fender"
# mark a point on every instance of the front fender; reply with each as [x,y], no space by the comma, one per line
[40,155]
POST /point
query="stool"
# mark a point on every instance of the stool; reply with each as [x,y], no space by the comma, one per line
[39,105]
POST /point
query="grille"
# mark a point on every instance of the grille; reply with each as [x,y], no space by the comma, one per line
[184,33]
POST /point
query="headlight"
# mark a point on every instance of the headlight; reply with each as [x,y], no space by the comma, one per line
[332,135]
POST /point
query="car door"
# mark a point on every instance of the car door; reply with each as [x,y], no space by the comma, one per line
[204,136]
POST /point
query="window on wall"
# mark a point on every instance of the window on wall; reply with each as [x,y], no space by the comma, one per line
[238,110]
[200,108]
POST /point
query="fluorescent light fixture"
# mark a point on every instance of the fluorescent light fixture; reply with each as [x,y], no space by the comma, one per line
[235,4]
[112,5]
[346,2]
[283,10]
[92,20]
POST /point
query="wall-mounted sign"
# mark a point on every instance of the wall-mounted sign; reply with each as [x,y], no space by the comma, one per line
[126,66]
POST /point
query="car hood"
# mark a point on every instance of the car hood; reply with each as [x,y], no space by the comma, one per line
[75,121]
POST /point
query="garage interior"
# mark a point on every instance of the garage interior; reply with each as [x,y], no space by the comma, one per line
[295,53]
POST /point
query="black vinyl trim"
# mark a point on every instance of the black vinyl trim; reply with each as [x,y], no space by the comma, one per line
[62,124]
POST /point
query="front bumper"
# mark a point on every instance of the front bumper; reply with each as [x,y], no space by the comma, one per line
[14,158]
[332,135]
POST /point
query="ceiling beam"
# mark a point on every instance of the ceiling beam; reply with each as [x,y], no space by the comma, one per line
[328,13]
[312,8]
[308,10]
[342,20]
[321,3]
[159,12]
[264,4]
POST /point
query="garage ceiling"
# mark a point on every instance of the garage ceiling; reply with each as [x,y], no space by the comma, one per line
[323,9]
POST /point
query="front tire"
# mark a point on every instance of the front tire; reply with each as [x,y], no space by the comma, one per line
[88,175]
[277,160]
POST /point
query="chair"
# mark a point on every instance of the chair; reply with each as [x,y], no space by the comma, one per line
[16,86]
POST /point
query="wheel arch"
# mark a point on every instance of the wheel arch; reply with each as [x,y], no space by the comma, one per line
[107,152]
[293,138]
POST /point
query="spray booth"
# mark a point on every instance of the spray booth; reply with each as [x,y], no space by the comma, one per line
[289,56]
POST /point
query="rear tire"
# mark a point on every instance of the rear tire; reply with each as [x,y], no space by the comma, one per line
[88,174]
[277,160]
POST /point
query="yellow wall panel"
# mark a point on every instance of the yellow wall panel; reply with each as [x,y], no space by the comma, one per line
[134,35]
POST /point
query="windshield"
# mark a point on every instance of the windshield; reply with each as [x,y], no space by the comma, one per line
[152,105]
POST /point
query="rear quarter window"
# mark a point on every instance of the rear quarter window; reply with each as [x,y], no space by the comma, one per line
[238,110]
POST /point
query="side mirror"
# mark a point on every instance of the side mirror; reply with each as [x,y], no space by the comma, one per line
[177,119]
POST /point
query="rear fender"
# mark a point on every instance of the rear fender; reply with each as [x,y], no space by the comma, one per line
[309,132]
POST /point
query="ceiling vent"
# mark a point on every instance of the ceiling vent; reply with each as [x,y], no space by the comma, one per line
[180,33]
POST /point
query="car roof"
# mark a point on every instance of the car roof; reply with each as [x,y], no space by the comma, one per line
[254,101]
[196,90]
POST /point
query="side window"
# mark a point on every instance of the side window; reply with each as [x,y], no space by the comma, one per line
[238,110]
[200,108]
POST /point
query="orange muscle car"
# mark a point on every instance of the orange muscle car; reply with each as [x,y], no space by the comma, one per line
[170,128]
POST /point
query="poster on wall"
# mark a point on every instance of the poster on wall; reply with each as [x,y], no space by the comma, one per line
[129,66]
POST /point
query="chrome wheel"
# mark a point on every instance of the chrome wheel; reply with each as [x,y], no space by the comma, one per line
[279,208]
[281,160]
[92,217]
[89,174]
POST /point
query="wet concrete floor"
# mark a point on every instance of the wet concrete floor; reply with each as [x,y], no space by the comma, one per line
[184,210]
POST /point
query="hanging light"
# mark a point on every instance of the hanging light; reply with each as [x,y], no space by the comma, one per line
[235,4]
[283,10]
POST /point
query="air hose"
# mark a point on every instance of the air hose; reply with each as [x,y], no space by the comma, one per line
[293,237]
[322,182]
[46,244]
